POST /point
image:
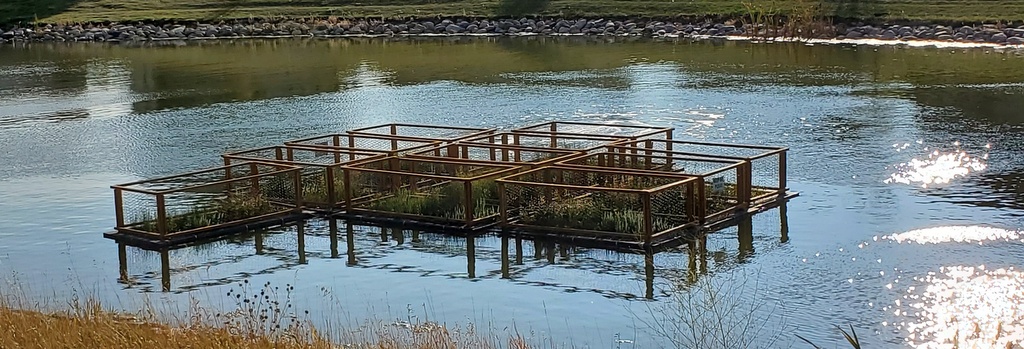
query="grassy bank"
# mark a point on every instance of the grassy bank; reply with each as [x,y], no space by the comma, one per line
[88,325]
[71,11]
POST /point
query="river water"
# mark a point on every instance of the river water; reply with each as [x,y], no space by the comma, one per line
[909,162]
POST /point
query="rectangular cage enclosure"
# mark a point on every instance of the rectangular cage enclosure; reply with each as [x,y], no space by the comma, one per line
[618,131]
[496,153]
[390,145]
[723,187]
[209,199]
[446,193]
[767,170]
[322,185]
[424,132]
[577,143]
[600,203]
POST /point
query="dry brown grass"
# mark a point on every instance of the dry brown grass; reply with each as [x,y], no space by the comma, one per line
[92,327]
[264,321]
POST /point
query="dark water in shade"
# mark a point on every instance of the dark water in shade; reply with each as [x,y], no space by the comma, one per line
[909,162]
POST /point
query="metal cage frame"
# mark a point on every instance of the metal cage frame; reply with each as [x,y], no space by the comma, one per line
[252,178]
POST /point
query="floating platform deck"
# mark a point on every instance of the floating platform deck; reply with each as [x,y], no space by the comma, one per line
[154,242]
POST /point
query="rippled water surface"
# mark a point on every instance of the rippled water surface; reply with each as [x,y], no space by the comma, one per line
[909,162]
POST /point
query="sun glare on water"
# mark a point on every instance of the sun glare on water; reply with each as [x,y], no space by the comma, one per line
[936,169]
[966,307]
[966,234]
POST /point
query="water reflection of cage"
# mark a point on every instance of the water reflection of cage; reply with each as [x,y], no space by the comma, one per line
[600,203]
[616,131]
[424,132]
[767,170]
[322,185]
[722,189]
[193,203]
[445,193]
[386,144]
[183,260]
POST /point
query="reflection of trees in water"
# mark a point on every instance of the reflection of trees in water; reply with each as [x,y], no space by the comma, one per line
[988,105]
[1004,190]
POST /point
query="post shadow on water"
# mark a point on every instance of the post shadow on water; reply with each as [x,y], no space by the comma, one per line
[14,12]
[512,263]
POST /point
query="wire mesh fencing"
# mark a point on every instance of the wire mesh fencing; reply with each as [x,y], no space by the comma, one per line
[207,199]
[424,132]
[322,184]
[617,131]
[496,153]
[577,143]
[766,170]
[723,187]
[598,203]
[385,144]
[452,193]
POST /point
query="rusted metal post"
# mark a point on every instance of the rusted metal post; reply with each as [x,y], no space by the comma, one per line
[161,216]
[119,207]
[744,187]
[394,141]
[647,158]
[346,181]
[332,195]
[255,181]
[395,165]
[648,218]
[470,204]
[502,205]
[782,173]
[554,135]
[297,179]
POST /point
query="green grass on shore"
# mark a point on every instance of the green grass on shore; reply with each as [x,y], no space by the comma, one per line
[76,11]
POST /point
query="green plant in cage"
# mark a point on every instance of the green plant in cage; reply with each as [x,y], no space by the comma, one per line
[315,188]
[444,200]
[233,207]
[611,212]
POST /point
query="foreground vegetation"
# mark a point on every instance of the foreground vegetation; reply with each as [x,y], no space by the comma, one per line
[73,11]
[263,319]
